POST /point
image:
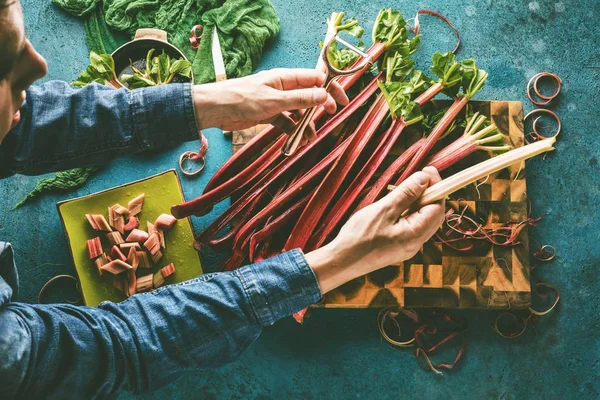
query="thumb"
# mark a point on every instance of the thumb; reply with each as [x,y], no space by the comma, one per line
[303,98]
[408,192]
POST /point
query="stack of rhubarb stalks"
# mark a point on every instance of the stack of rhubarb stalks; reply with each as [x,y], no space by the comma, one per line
[301,201]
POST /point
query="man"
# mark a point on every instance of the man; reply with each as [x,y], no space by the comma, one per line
[65,351]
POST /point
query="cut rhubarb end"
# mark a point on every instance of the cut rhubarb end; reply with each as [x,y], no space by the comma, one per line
[167,270]
[94,247]
[132,258]
[98,222]
[165,221]
[135,205]
[156,256]
[132,223]
[152,244]
[158,280]
[125,247]
[132,282]
[137,235]
[101,262]
[144,261]
[115,238]
[144,283]
[119,209]
[117,254]
[299,316]
[116,267]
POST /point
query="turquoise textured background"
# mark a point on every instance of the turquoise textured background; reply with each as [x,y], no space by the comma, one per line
[338,353]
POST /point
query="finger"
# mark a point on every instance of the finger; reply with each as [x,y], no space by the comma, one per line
[330,105]
[400,199]
[296,78]
[283,121]
[337,92]
[434,175]
[302,98]
[425,222]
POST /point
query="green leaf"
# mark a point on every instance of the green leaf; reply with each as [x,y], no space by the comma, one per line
[411,113]
[101,70]
[181,67]
[473,78]
[448,71]
[390,27]
[136,81]
[397,65]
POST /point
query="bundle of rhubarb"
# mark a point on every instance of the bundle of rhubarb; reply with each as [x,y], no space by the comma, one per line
[143,248]
[305,198]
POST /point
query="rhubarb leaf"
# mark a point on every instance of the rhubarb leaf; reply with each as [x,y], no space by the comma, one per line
[100,70]
[180,67]
[448,71]
[136,81]
[389,28]
[343,58]
[397,66]
[411,113]
[473,78]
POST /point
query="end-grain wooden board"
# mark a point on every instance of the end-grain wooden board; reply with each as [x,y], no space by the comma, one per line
[438,276]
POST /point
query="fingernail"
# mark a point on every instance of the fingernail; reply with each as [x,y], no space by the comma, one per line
[319,95]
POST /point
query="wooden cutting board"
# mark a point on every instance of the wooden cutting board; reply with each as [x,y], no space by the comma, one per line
[438,276]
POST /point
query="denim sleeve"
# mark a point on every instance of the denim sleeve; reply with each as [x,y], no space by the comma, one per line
[62,127]
[65,351]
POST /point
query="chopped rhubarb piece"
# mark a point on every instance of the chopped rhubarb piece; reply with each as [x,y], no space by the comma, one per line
[132,282]
[165,221]
[101,262]
[119,209]
[144,283]
[151,228]
[132,223]
[161,237]
[137,235]
[156,256]
[94,247]
[144,261]
[158,280]
[126,246]
[168,270]
[135,205]
[153,243]
[116,267]
[115,238]
[119,283]
[98,222]
[117,254]
[132,259]
[116,220]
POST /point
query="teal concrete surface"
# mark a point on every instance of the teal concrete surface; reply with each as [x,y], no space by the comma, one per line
[338,353]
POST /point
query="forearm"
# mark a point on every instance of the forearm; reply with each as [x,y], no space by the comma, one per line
[149,339]
[62,127]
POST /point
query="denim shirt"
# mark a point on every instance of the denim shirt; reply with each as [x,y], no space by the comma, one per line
[63,351]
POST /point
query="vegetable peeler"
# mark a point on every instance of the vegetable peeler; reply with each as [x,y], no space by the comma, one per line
[331,73]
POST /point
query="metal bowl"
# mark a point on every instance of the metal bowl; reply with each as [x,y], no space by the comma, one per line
[137,49]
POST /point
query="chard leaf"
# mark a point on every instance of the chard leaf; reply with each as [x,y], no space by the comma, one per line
[181,67]
[136,81]
[473,78]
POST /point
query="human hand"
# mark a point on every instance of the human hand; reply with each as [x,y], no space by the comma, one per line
[242,103]
[378,235]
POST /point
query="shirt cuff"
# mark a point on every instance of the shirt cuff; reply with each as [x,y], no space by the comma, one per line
[164,115]
[279,286]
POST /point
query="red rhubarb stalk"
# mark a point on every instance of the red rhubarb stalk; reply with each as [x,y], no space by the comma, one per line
[277,224]
[189,208]
[319,202]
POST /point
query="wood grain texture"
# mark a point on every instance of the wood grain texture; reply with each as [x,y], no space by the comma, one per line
[438,276]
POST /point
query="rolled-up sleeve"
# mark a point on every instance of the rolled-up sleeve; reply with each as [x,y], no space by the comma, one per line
[147,341]
[62,127]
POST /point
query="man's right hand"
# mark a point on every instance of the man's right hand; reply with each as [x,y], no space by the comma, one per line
[378,235]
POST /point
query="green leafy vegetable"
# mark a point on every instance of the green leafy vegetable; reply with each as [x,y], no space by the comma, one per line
[100,70]
[448,72]
[390,27]
[473,78]
[343,58]
[160,70]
